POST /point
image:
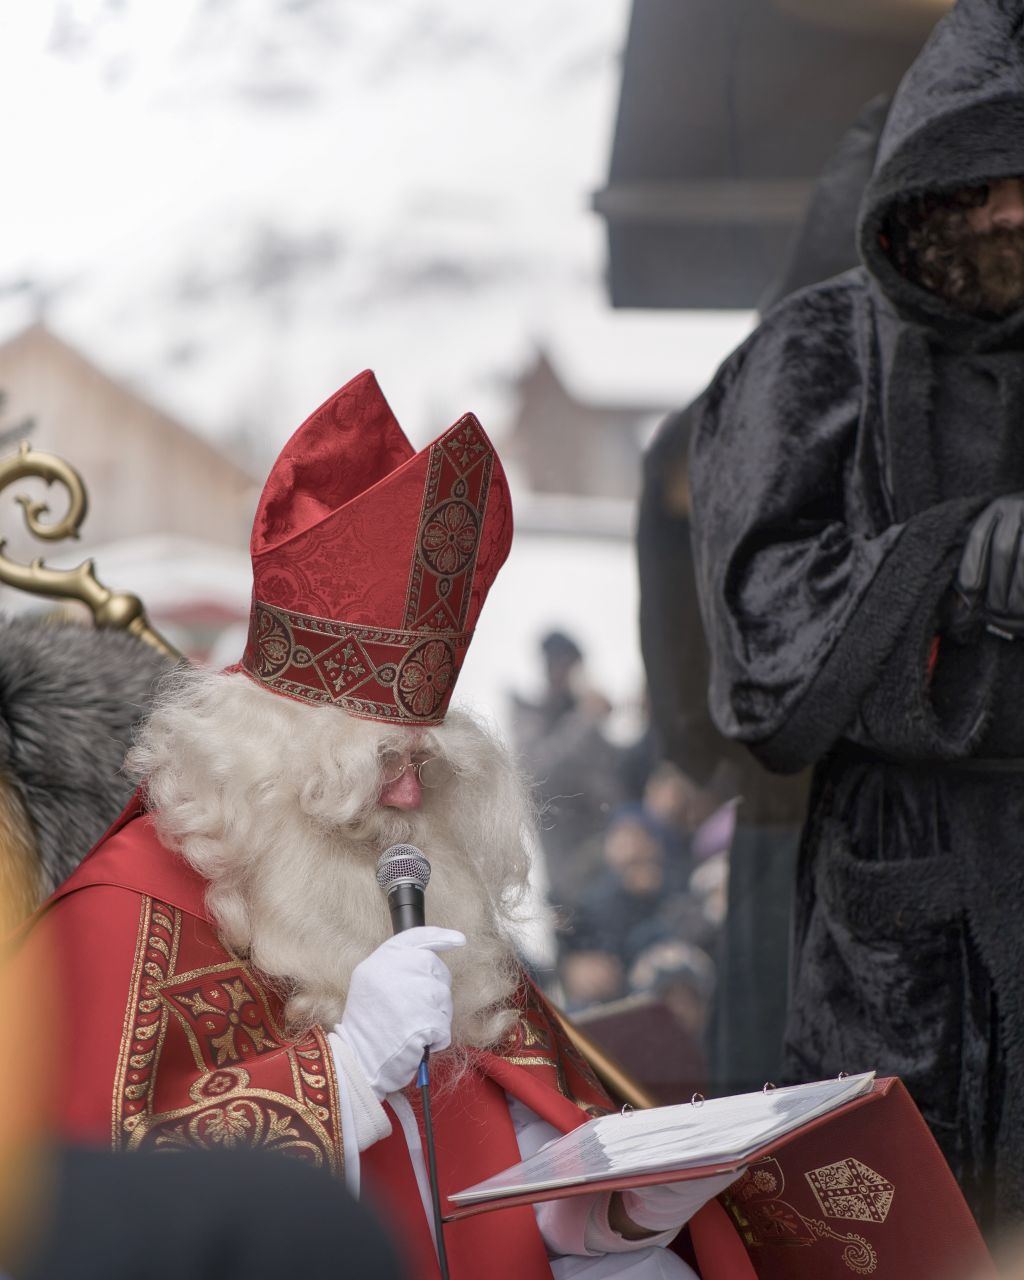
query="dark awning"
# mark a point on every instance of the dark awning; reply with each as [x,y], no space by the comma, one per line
[728,110]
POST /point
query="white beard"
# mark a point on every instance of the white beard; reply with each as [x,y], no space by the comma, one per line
[275,803]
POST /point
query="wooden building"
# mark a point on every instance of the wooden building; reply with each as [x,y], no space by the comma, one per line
[169,515]
[597,387]
[146,472]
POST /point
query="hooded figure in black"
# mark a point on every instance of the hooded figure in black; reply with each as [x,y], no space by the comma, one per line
[744,1039]
[844,458]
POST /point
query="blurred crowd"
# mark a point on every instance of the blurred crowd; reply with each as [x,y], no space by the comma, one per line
[637,860]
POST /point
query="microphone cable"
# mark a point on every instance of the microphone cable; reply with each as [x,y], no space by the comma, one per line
[423,1080]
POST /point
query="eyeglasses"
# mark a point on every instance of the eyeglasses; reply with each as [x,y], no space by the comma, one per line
[432,771]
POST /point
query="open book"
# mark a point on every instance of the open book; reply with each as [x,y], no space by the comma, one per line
[705,1142]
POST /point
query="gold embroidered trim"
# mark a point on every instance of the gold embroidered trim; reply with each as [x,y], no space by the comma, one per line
[450,529]
[230,981]
[226,1110]
[369,671]
[127,1028]
[552,1050]
[156,952]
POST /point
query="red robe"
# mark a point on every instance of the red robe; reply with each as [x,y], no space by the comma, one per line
[170,1040]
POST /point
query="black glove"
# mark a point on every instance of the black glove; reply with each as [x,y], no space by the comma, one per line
[990,580]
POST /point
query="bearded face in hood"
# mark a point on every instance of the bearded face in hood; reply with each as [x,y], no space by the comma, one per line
[951,151]
[965,246]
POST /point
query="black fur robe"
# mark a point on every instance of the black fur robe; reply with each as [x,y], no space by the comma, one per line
[744,1039]
[70,697]
[840,457]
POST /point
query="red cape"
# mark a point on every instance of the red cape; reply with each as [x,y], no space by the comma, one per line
[170,1041]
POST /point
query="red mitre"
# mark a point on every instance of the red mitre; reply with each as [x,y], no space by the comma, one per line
[371,562]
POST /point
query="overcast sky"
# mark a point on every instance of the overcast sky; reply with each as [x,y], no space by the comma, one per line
[237,204]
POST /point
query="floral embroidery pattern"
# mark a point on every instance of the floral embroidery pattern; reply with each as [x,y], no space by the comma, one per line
[224,1018]
[272,643]
[373,672]
[245,1119]
[765,1182]
[450,538]
[426,677]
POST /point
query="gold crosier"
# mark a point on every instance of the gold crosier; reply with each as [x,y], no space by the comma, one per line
[109,609]
[126,612]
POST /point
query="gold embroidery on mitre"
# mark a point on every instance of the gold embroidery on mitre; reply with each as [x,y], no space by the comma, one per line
[451,524]
[850,1190]
[403,673]
[369,671]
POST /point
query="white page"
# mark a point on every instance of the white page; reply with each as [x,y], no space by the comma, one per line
[669,1138]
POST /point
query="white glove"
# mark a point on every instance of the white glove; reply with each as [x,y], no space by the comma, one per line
[399,1003]
[663,1207]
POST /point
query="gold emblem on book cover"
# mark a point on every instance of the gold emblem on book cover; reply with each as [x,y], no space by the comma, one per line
[850,1190]
[768,1220]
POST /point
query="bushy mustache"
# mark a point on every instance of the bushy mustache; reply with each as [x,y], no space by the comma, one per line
[981,272]
[999,259]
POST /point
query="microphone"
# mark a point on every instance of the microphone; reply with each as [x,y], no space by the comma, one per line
[403,873]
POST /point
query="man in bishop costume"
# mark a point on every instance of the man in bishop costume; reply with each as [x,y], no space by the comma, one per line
[225,958]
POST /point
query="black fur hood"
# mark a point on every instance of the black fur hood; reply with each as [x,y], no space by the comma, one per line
[956,120]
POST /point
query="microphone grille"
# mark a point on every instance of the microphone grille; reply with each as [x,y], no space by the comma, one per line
[402,864]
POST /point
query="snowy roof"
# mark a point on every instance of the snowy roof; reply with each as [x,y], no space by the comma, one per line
[639,359]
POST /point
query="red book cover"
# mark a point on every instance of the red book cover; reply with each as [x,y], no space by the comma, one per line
[864,1191]
[860,1191]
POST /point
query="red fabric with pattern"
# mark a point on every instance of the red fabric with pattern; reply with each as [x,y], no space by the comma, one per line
[165,1039]
[475,1138]
[371,562]
[169,1040]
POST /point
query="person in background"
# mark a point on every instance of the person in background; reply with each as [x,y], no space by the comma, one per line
[642,877]
[682,977]
[640,757]
[561,741]
[701,818]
